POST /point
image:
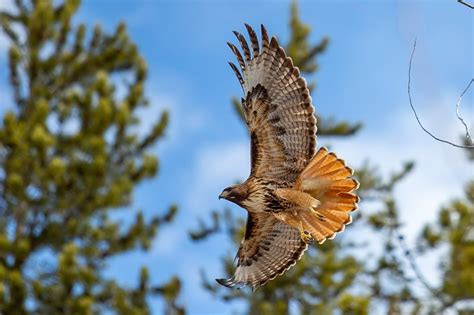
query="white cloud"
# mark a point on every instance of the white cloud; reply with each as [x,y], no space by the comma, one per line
[186,118]
[183,121]
[440,173]
[166,246]
[7,5]
[217,166]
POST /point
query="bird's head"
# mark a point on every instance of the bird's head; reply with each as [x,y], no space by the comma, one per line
[235,193]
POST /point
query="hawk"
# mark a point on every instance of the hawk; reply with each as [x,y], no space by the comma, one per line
[293,195]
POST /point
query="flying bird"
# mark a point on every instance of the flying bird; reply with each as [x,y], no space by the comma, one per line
[294,195]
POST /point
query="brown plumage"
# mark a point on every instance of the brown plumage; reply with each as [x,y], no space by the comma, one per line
[292,194]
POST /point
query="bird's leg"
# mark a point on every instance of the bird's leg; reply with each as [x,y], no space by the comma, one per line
[305,235]
[291,218]
[313,209]
[318,214]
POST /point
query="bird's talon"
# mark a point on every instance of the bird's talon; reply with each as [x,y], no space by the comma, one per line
[306,237]
[318,214]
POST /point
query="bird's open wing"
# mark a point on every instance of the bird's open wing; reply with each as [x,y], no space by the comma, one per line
[268,249]
[277,108]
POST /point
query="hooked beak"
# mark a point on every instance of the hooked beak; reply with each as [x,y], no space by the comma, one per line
[223,195]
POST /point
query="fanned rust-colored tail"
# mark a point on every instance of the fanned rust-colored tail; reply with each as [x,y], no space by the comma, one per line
[328,179]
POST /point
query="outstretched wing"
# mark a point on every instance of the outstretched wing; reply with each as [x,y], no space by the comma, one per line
[277,108]
[268,249]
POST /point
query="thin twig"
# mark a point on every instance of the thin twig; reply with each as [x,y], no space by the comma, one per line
[444,300]
[416,115]
[414,266]
[466,4]
[458,104]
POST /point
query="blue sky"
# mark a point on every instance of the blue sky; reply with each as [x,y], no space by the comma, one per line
[362,77]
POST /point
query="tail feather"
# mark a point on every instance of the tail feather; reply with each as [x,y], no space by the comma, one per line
[336,173]
[318,233]
[338,206]
[327,178]
[320,159]
[319,229]
[342,202]
[334,168]
[342,216]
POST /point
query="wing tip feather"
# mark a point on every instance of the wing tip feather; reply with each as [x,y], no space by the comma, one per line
[244,45]
[253,40]
[274,43]
[264,33]
[237,73]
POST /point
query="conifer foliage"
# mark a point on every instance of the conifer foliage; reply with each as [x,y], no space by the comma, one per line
[381,273]
[70,152]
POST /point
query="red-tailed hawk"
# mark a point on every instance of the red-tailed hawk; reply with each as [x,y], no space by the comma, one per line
[293,195]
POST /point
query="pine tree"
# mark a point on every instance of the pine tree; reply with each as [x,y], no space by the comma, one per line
[320,282]
[454,231]
[337,277]
[69,154]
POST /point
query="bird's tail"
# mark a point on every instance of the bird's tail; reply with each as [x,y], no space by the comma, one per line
[328,179]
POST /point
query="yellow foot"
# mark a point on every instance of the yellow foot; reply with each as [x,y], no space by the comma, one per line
[306,237]
[317,213]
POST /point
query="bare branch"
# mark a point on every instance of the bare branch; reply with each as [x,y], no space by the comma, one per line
[414,266]
[466,4]
[458,104]
[445,301]
[416,115]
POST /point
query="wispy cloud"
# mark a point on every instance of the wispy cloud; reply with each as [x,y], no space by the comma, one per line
[217,166]
[8,6]
[186,115]
[440,173]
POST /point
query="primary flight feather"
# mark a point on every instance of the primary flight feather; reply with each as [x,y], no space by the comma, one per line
[293,195]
